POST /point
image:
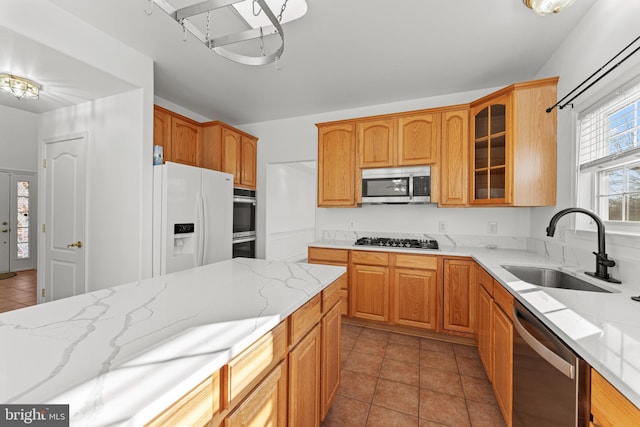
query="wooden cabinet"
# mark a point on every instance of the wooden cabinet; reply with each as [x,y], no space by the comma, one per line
[503,361]
[178,136]
[459,296]
[334,257]
[228,150]
[454,158]
[377,143]
[330,355]
[304,381]
[609,408]
[337,165]
[513,146]
[418,139]
[484,332]
[415,284]
[266,405]
[370,285]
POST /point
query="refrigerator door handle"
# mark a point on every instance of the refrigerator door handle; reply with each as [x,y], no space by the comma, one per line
[200,232]
[203,227]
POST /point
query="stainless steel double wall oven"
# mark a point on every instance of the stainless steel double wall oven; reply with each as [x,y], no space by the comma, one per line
[244,223]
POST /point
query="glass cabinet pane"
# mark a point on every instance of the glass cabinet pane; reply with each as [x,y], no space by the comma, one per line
[498,118]
[482,154]
[497,181]
[482,123]
[481,184]
[498,151]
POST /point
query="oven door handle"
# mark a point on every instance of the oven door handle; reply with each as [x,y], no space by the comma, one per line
[244,200]
[244,239]
[553,359]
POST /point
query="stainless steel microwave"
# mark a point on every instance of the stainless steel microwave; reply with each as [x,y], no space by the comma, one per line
[409,185]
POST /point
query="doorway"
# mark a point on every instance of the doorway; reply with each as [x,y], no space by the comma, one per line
[17,222]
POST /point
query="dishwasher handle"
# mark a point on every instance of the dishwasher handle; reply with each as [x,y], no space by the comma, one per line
[567,369]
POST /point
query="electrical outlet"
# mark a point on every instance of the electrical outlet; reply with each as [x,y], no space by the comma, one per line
[442,226]
[352,224]
[492,227]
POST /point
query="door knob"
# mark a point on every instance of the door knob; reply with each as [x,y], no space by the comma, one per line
[4,223]
[5,230]
[77,244]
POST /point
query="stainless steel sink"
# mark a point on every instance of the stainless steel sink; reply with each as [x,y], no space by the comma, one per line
[551,278]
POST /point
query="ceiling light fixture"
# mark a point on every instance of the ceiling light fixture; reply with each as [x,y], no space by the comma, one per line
[257,15]
[19,87]
[547,7]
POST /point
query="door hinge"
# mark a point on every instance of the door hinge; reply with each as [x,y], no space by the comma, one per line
[44,228]
[44,163]
[44,292]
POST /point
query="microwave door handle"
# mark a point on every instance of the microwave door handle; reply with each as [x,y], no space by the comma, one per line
[410,187]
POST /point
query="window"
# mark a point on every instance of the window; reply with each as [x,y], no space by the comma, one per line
[23,222]
[609,157]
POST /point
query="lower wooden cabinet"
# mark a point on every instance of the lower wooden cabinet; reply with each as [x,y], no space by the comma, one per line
[330,355]
[266,405]
[609,408]
[459,300]
[503,362]
[304,381]
[338,257]
[370,285]
[485,326]
[415,294]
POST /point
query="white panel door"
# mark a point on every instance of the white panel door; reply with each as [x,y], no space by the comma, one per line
[65,197]
[217,197]
[5,229]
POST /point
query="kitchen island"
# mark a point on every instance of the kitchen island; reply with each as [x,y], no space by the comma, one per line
[121,355]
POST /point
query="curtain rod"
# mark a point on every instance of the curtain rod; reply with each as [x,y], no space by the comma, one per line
[550,109]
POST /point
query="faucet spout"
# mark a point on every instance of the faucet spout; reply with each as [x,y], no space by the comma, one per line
[602,260]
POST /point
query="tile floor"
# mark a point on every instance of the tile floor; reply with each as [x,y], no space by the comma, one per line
[391,379]
[18,291]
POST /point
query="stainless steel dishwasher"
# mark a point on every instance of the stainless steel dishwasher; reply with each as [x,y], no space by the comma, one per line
[550,382]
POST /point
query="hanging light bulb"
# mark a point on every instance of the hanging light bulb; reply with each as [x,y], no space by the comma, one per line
[547,7]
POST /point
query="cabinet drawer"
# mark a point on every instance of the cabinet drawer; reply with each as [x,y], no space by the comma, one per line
[504,299]
[326,255]
[331,294]
[426,262]
[369,258]
[304,318]
[484,279]
[248,367]
[195,408]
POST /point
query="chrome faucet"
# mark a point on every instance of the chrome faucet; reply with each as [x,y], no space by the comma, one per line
[602,261]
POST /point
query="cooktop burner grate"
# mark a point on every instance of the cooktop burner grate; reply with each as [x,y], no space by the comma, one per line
[397,243]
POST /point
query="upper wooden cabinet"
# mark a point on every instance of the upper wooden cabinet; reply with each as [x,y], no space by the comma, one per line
[513,146]
[212,145]
[229,150]
[399,140]
[337,165]
[454,158]
[179,137]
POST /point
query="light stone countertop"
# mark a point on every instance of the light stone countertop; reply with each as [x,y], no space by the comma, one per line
[121,355]
[602,328]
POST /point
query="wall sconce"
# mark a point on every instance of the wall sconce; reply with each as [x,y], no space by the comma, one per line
[19,87]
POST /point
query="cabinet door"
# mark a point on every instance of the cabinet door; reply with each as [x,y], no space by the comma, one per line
[211,147]
[459,296]
[609,407]
[248,163]
[454,163]
[377,143]
[336,166]
[489,159]
[418,139]
[162,132]
[503,361]
[370,292]
[304,381]
[185,142]
[231,154]
[266,405]
[485,327]
[415,298]
[330,357]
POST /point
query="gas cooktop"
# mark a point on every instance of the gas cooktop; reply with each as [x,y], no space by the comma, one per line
[397,243]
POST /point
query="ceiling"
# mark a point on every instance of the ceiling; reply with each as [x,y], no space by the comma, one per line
[341,55]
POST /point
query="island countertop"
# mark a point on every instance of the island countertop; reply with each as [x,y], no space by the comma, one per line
[121,355]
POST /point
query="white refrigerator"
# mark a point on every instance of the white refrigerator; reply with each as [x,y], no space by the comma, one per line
[196,217]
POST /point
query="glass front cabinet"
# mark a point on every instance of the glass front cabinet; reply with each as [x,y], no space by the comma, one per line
[512,146]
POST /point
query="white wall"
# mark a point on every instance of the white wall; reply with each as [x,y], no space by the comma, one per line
[296,139]
[608,27]
[18,140]
[113,162]
[50,25]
